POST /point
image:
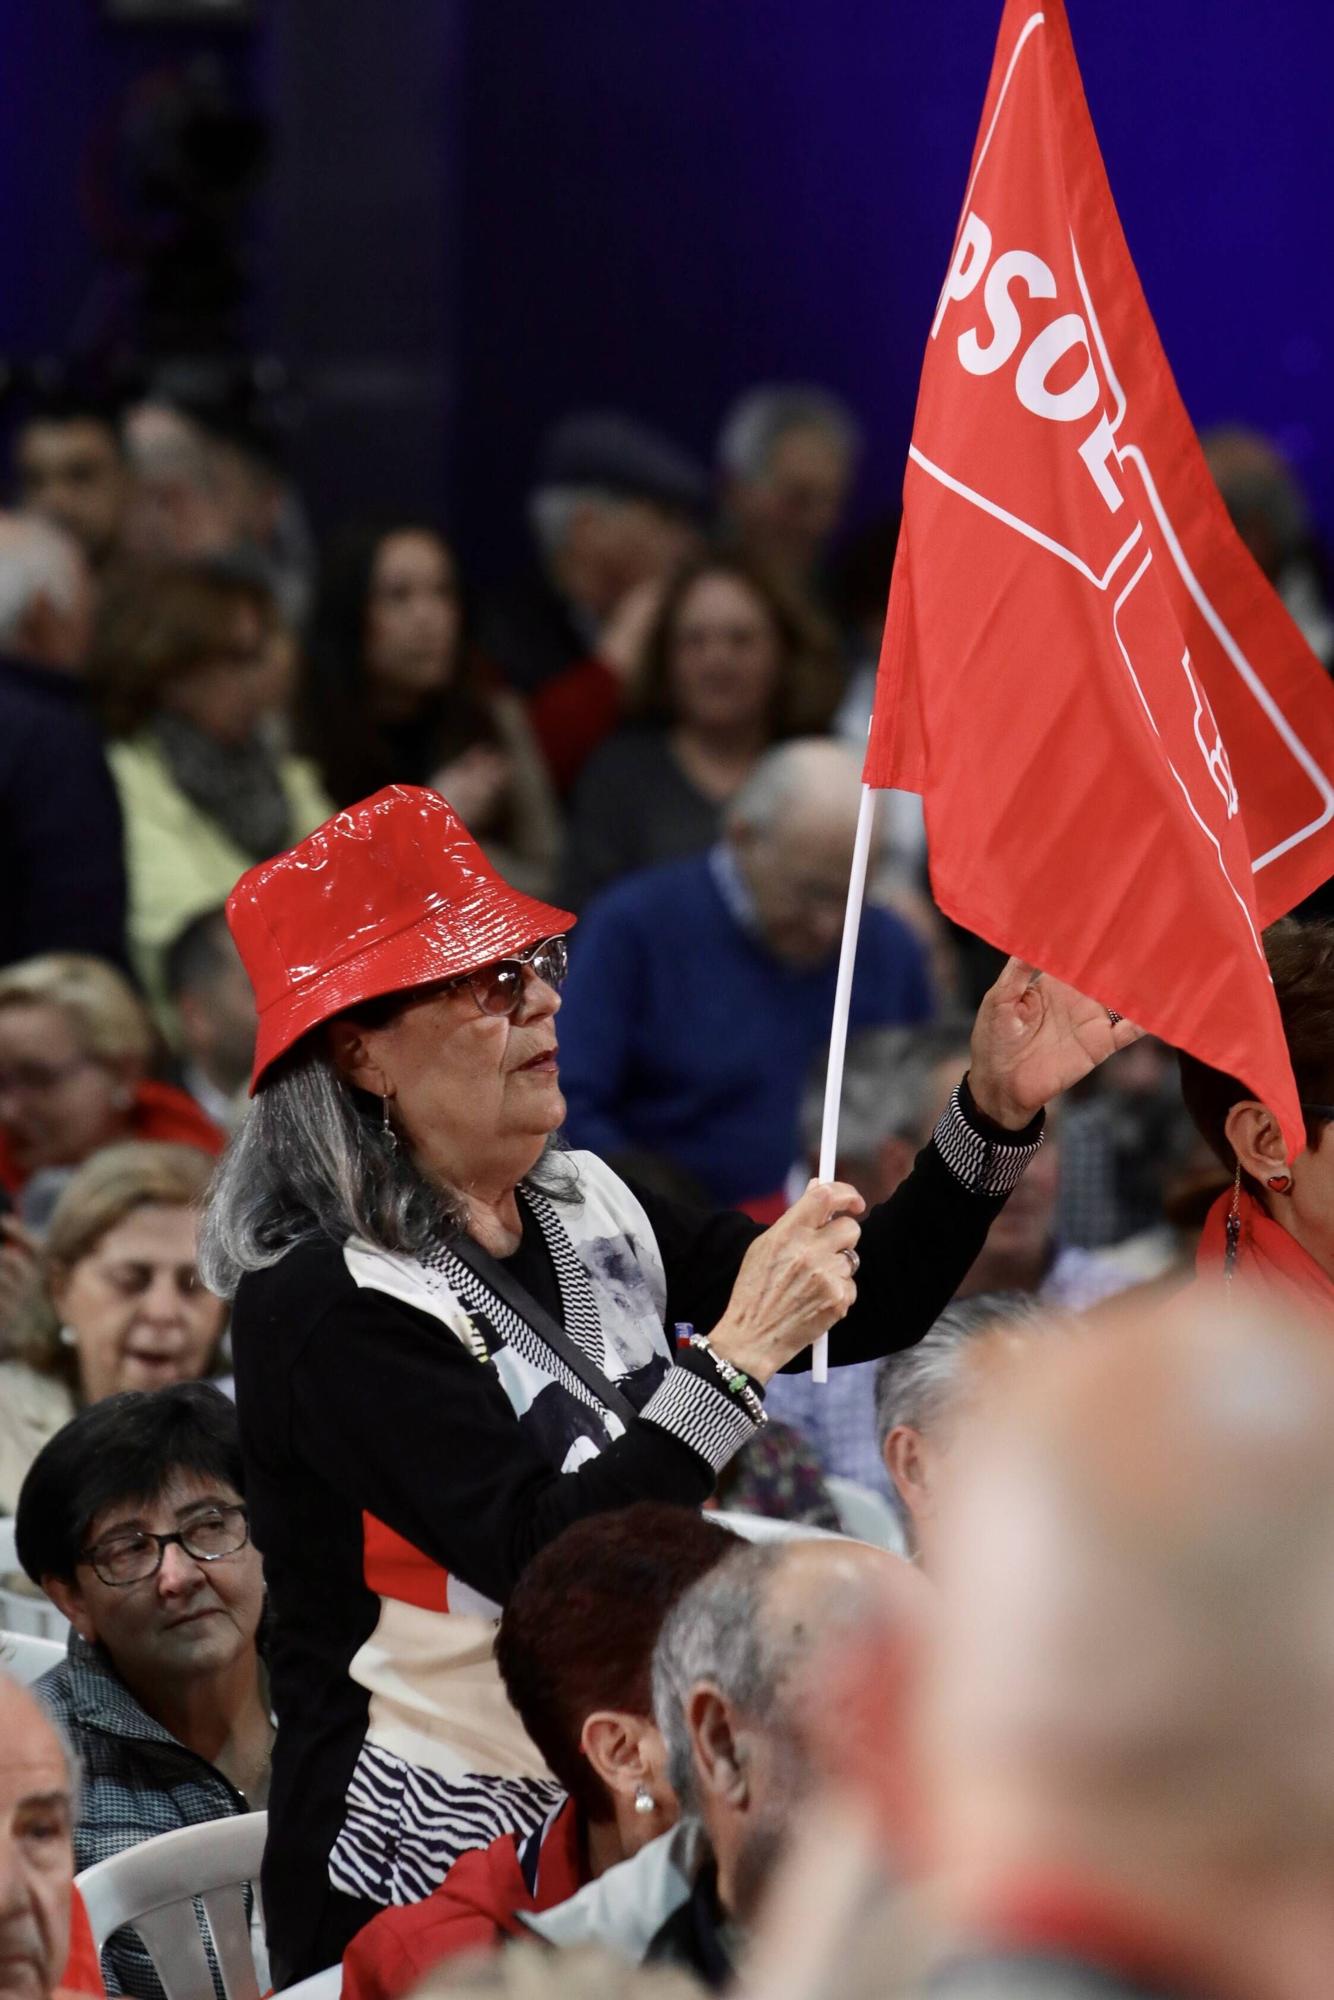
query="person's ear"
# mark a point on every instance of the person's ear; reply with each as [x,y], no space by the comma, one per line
[719,1756]
[905,1462]
[353,1060]
[1256,1138]
[70,1602]
[615,1746]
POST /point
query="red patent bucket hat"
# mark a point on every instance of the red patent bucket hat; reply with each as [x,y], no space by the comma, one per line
[390,894]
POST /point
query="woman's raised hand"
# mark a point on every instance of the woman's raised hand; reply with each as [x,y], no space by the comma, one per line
[1033,1038]
[795,1281]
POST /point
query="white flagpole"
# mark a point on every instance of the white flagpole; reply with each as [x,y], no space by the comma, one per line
[838,1033]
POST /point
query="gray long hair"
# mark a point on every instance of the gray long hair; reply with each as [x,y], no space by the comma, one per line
[312,1160]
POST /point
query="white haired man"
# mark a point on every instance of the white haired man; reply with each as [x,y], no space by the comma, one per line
[614,507]
[45,1946]
[737,1698]
[786,457]
[918,1400]
[700,991]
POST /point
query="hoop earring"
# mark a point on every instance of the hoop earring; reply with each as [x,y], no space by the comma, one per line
[645,1803]
[1232,1230]
[387,1131]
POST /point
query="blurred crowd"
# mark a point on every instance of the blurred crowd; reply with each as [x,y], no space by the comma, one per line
[1021,1713]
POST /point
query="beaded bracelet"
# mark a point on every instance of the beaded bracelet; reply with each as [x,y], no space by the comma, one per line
[736,1382]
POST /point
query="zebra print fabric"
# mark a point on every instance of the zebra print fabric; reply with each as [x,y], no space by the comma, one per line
[407,1826]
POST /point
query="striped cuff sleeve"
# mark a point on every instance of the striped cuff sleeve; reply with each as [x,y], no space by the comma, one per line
[700,1413]
[982,1164]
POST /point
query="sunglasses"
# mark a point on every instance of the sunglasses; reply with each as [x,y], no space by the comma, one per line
[498,988]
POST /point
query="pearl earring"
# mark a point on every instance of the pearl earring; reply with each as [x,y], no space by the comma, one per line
[68,1337]
[645,1803]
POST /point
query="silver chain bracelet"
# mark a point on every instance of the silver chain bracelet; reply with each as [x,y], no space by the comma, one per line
[736,1382]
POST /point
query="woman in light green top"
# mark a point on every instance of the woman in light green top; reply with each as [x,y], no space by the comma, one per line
[185,668]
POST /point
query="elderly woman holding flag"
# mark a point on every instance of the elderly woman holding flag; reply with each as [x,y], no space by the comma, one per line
[452,1338]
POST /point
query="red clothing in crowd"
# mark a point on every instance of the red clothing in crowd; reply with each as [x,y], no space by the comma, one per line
[1057,1918]
[478,1904]
[159,1111]
[572,713]
[83,1972]
[1268,1259]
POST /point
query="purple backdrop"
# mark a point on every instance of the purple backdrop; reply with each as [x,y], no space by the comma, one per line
[655,204]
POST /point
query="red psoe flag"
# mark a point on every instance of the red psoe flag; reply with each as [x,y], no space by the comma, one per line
[1123,743]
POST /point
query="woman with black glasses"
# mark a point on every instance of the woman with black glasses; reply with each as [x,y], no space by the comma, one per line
[452,1339]
[133,1520]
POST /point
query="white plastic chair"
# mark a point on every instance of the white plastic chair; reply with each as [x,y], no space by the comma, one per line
[767,1527]
[320,1986]
[34,1615]
[152,1888]
[865,1514]
[26,1658]
[21,1611]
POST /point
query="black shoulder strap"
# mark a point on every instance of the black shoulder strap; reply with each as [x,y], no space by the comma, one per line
[491,1270]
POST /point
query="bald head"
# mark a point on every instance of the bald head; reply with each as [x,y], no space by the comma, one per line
[792,828]
[1136,1561]
[36,1848]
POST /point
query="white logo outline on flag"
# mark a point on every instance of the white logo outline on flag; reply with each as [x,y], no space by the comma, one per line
[1299,752]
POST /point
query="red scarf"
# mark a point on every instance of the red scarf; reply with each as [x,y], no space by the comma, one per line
[159,1111]
[1268,1259]
[1061,1916]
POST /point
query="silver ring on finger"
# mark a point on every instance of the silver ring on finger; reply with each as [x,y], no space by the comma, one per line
[854,1261]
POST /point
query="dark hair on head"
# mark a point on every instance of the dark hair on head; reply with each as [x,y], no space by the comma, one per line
[335,722]
[579,1630]
[62,395]
[809,676]
[124,1448]
[197,955]
[155,623]
[1301,962]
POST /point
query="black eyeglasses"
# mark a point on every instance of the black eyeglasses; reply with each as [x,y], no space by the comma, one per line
[498,988]
[135,1555]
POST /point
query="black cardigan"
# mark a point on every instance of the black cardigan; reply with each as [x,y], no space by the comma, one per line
[352,1402]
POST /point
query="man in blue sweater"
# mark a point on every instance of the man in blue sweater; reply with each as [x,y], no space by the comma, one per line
[700,992]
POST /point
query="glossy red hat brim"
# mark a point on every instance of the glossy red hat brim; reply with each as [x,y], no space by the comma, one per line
[425,952]
[390,894]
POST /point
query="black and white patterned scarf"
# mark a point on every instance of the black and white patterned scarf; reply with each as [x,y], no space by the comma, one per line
[238,785]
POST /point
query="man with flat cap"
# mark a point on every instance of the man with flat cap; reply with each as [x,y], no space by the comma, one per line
[614,508]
